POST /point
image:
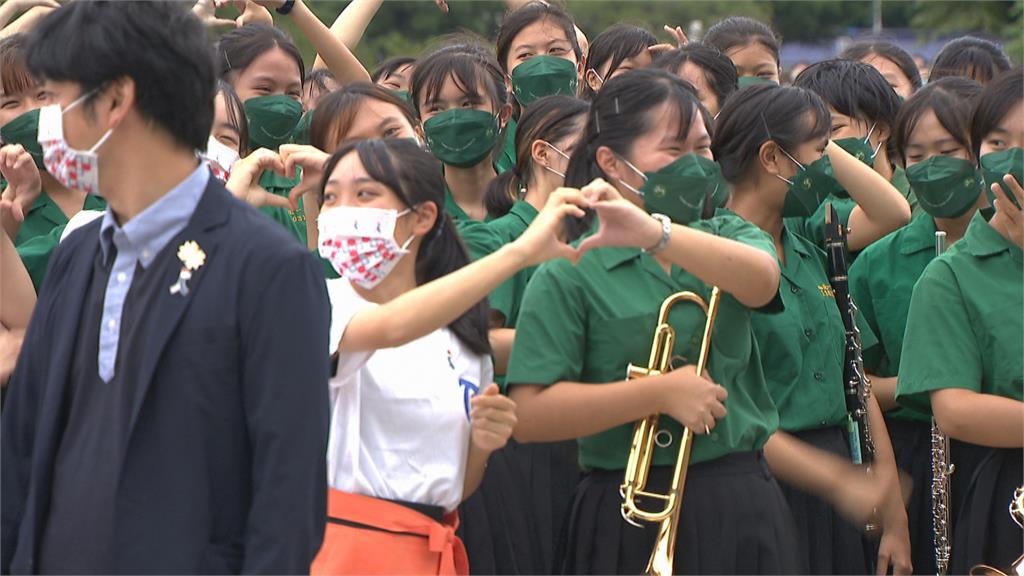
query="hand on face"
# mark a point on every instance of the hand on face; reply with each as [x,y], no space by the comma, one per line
[1009,219]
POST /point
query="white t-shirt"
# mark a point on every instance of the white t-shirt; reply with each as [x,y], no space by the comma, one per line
[400,416]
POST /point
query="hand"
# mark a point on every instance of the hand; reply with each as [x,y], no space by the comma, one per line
[10,347]
[312,161]
[206,11]
[545,238]
[678,34]
[493,418]
[1009,219]
[857,494]
[23,183]
[622,222]
[694,400]
[251,12]
[659,48]
[443,6]
[245,176]
[894,548]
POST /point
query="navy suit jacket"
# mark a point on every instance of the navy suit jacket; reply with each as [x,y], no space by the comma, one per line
[225,467]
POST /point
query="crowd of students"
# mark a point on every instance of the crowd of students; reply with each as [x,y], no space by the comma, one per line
[415,360]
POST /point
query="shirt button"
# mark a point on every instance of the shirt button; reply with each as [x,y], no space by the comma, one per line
[121,277]
[818,376]
[808,332]
[794,289]
[111,325]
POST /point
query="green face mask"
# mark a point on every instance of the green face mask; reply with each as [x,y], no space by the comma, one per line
[681,188]
[744,81]
[403,95]
[300,135]
[543,76]
[946,187]
[461,137]
[24,130]
[272,120]
[811,185]
[994,166]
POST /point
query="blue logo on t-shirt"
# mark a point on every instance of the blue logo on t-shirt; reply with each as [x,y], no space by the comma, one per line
[469,390]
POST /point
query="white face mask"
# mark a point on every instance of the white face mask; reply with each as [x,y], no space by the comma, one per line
[221,155]
[76,169]
[360,243]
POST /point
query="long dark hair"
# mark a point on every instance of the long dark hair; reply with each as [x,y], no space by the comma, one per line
[336,111]
[786,115]
[952,99]
[550,119]
[414,175]
[996,101]
[237,49]
[970,57]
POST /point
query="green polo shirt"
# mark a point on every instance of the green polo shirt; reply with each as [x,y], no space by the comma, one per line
[507,160]
[293,220]
[508,228]
[456,211]
[589,322]
[813,227]
[964,328]
[802,349]
[881,281]
[35,254]
[45,215]
[900,182]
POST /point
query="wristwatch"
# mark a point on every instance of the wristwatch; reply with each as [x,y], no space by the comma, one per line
[666,233]
[286,7]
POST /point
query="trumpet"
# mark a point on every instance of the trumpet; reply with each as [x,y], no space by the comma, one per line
[646,437]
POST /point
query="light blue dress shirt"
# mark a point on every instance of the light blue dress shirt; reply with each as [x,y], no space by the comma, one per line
[138,242]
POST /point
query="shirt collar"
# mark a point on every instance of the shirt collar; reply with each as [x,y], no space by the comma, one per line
[153,228]
[983,240]
[919,235]
[612,257]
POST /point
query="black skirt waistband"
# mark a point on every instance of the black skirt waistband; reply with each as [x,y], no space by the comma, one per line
[751,462]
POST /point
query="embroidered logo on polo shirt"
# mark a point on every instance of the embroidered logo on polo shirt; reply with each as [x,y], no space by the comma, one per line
[826,291]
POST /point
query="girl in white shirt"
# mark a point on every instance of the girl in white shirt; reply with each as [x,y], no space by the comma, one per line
[415,412]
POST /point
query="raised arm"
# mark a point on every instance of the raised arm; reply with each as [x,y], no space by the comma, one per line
[880,206]
[351,24]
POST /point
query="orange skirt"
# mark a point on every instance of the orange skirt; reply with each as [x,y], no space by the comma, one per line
[389,539]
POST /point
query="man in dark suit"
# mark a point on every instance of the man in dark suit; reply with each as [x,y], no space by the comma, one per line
[169,410]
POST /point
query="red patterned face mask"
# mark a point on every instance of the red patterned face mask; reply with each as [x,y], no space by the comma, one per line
[360,243]
[76,169]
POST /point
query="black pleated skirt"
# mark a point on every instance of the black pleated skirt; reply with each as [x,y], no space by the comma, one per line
[734,521]
[983,532]
[828,544]
[912,445]
[512,524]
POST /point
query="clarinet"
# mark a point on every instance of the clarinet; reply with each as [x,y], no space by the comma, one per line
[941,471]
[856,387]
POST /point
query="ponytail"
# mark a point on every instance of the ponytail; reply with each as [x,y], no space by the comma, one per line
[502,192]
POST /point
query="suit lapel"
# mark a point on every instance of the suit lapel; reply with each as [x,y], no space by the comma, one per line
[168,308]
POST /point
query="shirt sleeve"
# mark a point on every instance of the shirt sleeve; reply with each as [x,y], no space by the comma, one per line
[345,304]
[551,332]
[744,232]
[939,348]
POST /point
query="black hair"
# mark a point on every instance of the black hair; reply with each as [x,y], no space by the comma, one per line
[864,49]
[520,18]
[550,119]
[336,111]
[853,89]
[996,100]
[388,67]
[786,115]
[952,99]
[719,71]
[318,77]
[742,31]
[614,45]
[414,175]
[237,49]
[161,47]
[969,57]
[236,115]
[469,65]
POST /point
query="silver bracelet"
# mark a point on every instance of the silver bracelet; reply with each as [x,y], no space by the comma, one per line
[666,233]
